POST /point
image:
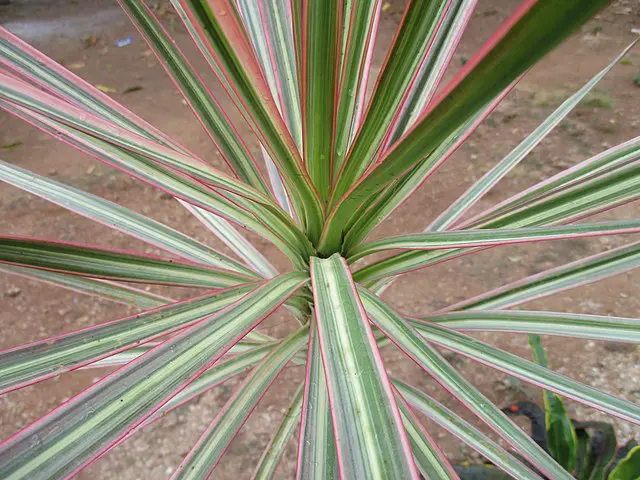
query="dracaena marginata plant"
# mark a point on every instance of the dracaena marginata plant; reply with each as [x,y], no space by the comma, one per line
[336,166]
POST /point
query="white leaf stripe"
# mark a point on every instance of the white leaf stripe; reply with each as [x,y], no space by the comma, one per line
[529,371]
[100,262]
[26,364]
[117,217]
[430,460]
[206,453]
[276,446]
[493,176]
[93,421]
[464,431]
[414,346]
[317,438]
[370,439]
[595,327]
[104,288]
[490,237]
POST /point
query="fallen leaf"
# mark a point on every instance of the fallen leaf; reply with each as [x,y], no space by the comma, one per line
[105,89]
[386,6]
[75,66]
[135,88]
[10,146]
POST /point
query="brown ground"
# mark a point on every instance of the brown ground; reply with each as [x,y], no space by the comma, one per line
[82,33]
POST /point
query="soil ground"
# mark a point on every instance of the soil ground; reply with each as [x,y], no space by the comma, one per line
[81,34]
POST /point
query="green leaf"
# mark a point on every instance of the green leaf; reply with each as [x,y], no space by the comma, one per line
[210,114]
[52,76]
[490,237]
[368,217]
[441,49]
[31,98]
[112,264]
[271,32]
[177,184]
[225,46]
[594,327]
[115,216]
[316,445]
[535,28]
[24,365]
[370,439]
[415,347]
[206,453]
[602,448]
[582,454]
[413,38]
[276,446]
[105,289]
[604,164]
[464,431]
[219,373]
[429,458]
[67,439]
[528,371]
[561,436]
[628,468]
[493,176]
[581,272]
[360,23]
[320,36]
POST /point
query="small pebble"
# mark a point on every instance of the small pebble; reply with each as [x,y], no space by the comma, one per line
[13,292]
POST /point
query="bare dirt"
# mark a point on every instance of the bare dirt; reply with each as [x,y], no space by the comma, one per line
[81,34]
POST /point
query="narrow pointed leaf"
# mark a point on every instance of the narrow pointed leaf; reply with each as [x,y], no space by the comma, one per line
[71,436]
[53,77]
[368,217]
[60,81]
[169,181]
[210,114]
[489,237]
[493,176]
[582,201]
[574,274]
[115,216]
[37,361]
[271,31]
[594,327]
[217,31]
[276,446]
[102,288]
[112,264]
[464,431]
[360,23]
[616,188]
[410,342]
[320,48]
[520,42]
[420,22]
[316,445]
[208,450]
[434,64]
[561,436]
[31,98]
[370,439]
[429,458]
[597,166]
[235,241]
[528,371]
